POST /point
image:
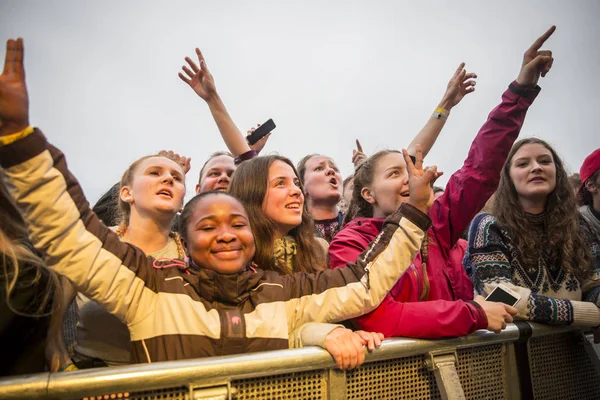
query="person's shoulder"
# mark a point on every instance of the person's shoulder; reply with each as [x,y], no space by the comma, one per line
[484,231]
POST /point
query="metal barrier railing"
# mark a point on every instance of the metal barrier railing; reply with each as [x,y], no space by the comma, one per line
[561,363]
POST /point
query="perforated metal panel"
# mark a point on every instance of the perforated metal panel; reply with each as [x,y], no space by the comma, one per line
[302,385]
[403,378]
[482,372]
[561,368]
[176,393]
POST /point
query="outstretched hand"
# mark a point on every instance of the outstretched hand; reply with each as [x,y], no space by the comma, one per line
[536,62]
[461,84]
[420,181]
[199,78]
[14,101]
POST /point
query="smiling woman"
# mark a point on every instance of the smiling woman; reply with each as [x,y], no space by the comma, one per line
[536,242]
[271,191]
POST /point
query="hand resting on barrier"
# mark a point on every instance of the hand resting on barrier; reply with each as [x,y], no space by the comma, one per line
[348,348]
[498,314]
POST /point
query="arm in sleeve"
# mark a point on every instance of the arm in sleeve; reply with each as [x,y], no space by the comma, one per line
[469,188]
[63,227]
[311,334]
[338,294]
[424,319]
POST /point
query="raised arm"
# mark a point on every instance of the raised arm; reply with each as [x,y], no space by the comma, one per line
[469,188]
[461,84]
[62,226]
[202,82]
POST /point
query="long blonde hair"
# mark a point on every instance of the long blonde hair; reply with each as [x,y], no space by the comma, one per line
[18,256]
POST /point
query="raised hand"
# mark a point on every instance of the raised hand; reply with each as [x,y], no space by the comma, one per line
[14,101]
[260,144]
[420,181]
[199,78]
[536,62]
[358,156]
[185,162]
[461,84]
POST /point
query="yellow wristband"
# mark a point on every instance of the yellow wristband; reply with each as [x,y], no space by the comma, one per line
[13,137]
[440,113]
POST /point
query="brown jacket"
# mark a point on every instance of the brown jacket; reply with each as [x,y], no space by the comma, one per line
[172,314]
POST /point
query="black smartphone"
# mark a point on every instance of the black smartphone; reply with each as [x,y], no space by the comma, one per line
[502,294]
[261,131]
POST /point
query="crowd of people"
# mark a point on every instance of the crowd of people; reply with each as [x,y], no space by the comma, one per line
[272,255]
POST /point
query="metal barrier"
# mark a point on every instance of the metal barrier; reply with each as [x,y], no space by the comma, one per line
[561,363]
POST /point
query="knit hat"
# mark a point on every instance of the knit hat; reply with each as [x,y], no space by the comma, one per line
[590,165]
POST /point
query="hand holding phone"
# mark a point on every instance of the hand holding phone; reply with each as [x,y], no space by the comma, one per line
[503,294]
[260,132]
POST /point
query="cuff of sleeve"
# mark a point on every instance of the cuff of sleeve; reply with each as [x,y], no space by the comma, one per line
[482,321]
[585,314]
[413,214]
[312,334]
[524,91]
[22,149]
[245,157]
[4,140]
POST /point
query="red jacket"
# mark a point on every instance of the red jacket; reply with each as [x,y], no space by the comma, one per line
[448,309]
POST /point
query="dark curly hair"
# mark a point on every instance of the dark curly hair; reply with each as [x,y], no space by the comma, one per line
[565,238]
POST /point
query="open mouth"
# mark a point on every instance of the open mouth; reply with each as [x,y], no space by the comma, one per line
[333,182]
[165,192]
[405,194]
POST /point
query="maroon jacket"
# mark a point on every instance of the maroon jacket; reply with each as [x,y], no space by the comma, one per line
[447,309]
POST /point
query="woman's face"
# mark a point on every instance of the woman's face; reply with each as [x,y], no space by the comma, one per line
[216,174]
[283,203]
[322,180]
[157,186]
[533,173]
[219,235]
[390,185]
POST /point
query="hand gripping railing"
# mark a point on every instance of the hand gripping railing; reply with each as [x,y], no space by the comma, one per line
[481,365]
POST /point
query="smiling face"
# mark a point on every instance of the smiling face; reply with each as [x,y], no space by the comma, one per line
[157,185]
[216,174]
[283,202]
[322,180]
[219,235]
[533,173]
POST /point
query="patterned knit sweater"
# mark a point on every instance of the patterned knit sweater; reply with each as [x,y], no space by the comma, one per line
[549,294]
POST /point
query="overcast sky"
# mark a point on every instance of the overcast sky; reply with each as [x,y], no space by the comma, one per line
[102,76]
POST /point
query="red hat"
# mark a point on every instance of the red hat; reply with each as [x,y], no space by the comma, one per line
[590,165]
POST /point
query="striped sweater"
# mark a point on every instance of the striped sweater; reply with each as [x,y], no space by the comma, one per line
[549,294]
[175,315]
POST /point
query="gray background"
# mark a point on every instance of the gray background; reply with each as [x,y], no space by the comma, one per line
[103,82]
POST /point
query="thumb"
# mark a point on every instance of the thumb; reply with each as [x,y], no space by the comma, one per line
[509,309]
[540,61]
